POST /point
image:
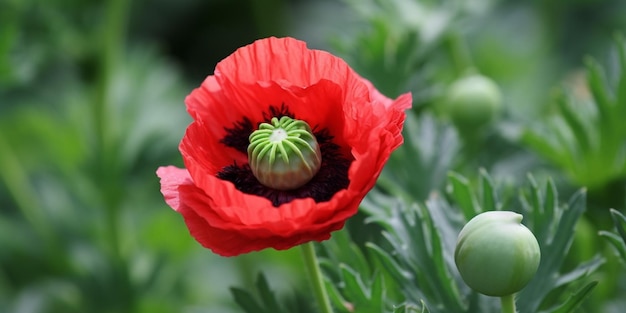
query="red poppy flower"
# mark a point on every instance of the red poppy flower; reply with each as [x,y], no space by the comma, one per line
[223,203]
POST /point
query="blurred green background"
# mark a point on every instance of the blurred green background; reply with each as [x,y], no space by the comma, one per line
[91,103]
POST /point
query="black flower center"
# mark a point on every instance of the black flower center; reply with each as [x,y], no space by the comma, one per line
[331,177]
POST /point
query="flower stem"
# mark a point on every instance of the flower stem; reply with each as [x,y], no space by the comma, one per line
[315,276]
[15,176]
[508,303]
[107,170]
[459,52]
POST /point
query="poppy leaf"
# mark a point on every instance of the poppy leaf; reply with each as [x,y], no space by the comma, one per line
[619,220]
[246,301]
[555,237]
[268,297]
[597,85]
[335,297]
[377,293]
[389,264]
[575,299]
[463,196]
[617,243]
[428,152]
[575,123]
[353,285]
[544,146]
[411,308]
[489,196]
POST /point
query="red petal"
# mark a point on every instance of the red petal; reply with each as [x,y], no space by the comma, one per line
[283,60]
[227,238]
[172,177]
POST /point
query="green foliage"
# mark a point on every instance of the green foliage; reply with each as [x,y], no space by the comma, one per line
[392,35]
[353,284]
[363,297]
[617,240]
[420,267]
[411,308]
[575,299]
[429,152]
[554,226]
[422,239]
[266,302]
[586,138]
[89,266]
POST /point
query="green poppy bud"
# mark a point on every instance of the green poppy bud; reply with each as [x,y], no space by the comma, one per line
[472,101]
[495,254]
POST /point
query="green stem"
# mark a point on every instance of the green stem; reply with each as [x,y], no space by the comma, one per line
[508,303]
[315,276]
[114,27]
[459,52]
[15,177]
[109,167]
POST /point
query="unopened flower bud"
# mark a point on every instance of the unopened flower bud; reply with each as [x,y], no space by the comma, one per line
[495,254]
[284,155]
[473,101]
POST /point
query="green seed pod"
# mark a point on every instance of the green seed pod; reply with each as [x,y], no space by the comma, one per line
[284,154]
[472,101]
[495,254]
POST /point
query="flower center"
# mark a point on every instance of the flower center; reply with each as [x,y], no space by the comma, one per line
[284,154]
